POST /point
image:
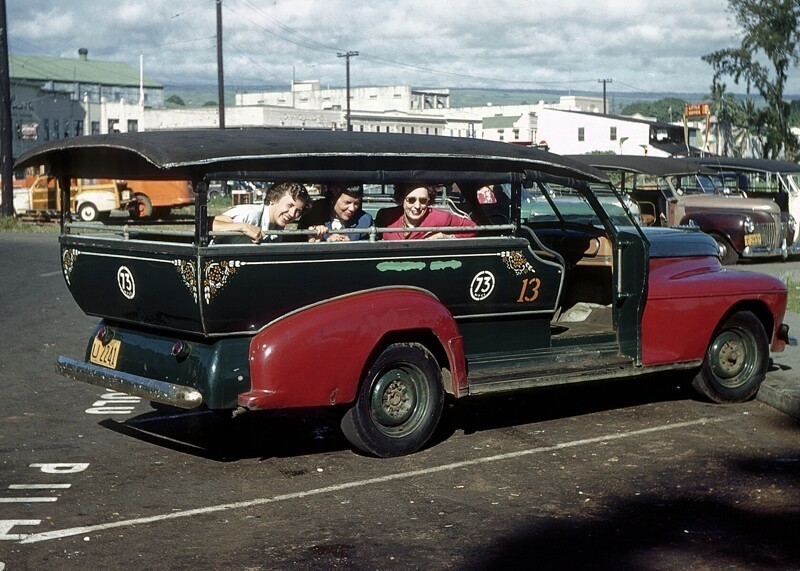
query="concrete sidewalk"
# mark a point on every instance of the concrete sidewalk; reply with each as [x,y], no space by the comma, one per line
[781,389]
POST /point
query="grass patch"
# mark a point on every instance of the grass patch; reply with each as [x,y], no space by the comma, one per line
[14,224]
[793,302]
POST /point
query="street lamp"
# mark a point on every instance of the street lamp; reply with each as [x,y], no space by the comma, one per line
[347,56]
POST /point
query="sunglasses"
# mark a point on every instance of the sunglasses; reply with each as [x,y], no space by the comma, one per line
[413,200]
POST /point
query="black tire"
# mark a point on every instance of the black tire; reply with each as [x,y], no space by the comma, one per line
[143,207]
[736,361]
[399,403]
[88,212]
[727,253]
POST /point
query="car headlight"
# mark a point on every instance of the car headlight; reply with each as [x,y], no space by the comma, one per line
[749,225]
[792,223]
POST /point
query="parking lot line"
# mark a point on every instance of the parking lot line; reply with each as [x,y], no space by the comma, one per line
[73,531]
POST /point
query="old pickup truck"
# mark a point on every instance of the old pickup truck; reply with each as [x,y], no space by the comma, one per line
[385,331]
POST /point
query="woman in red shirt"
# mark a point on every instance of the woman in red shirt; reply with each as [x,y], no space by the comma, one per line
[414,213]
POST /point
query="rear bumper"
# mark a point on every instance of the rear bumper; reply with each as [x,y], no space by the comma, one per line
[150,389]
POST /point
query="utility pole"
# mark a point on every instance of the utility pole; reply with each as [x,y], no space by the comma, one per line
[7,168]
[220,74]
[347,56]
[604,81]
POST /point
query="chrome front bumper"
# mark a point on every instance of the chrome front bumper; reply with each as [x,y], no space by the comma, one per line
[149,389]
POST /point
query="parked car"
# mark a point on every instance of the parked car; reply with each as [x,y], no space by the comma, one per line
[385,330]
[156,198]
[778,181]
[94,199]
[679,192]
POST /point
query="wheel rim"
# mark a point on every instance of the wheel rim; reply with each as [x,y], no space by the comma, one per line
[732,357]
[722,249]
[397,400]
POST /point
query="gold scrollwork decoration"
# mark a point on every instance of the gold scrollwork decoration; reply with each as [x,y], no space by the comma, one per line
[68,257]
[216,276]
[517,263]
[188,273]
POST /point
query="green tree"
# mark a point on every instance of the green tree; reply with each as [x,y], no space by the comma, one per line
[667,109]
[176,100]
[771,34]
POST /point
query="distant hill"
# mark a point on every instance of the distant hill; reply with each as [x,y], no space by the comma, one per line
[200,95]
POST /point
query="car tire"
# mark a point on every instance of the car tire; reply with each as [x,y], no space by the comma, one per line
[727,253]
[88,212]
[736,361]
[399,402]
[143,206]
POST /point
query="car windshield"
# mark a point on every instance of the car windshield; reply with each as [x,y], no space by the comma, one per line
[569,204]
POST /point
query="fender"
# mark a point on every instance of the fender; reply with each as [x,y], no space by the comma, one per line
[316,356]
[705,292]
[729,225]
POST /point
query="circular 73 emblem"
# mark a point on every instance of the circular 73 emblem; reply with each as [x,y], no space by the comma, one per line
[482,285]
[125,282]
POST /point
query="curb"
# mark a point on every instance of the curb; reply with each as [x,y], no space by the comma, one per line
[781,389]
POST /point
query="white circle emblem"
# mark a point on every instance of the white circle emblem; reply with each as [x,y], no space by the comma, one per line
[482,285]
[125,282]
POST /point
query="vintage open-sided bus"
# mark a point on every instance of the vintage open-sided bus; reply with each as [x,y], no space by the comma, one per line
[554,292]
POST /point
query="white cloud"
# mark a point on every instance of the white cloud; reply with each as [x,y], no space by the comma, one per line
[560,44]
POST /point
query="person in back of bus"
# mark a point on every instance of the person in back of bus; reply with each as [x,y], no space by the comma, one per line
[414,213]
[340,208]
[284,202]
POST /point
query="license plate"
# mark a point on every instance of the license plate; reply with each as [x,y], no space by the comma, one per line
[105,354]
[752,240]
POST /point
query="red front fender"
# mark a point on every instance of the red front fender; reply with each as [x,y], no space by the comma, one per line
[316,356]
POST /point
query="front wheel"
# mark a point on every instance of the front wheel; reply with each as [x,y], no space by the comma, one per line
[727,253]
[399,402]
[88,212]
[736,360]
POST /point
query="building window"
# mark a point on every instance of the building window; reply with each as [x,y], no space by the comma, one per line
[436,130]
[387,128]
[47,129]
[78,127]
[56,129]
[112,126]
[516,134]
[613,134]
[361,128]
[581,136]
[133,125]
[412,130]
[95,127]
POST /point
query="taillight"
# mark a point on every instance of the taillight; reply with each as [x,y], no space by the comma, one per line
[104,335]
[180,350]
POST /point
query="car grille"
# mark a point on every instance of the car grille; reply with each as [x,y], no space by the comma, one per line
[772,234]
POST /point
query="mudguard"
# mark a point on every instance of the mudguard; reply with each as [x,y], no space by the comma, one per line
[316,356]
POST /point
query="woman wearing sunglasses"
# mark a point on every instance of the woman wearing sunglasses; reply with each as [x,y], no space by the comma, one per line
[414,213]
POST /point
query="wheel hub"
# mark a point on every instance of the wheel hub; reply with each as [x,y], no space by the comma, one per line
[729,356]
[394,398]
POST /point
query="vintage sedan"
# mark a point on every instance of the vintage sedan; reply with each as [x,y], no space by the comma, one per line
[386,330]
[677,192]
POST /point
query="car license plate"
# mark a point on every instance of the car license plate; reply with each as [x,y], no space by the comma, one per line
[105,354]
[752,240]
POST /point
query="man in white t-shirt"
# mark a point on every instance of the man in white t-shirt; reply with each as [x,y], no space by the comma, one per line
[283,204]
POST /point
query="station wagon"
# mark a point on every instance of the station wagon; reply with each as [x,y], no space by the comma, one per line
[386,330]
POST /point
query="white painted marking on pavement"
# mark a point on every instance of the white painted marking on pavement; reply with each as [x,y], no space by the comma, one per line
[31,500]
[49,274]
[73,531]
[39,486]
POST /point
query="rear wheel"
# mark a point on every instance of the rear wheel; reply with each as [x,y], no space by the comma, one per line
[399,402]
[142,207]
[736,361]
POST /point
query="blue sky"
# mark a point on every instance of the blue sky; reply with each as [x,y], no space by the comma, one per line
[524,44]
